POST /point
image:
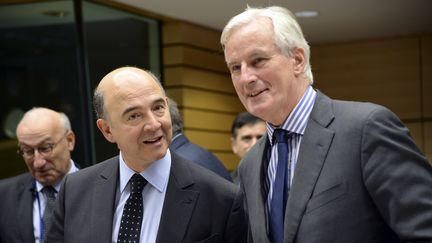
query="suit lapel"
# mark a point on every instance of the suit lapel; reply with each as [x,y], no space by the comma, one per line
[253,189]
[313,151]
[103,202]
[179,203]
[25,197]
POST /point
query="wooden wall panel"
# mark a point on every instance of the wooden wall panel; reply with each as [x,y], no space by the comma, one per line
[205,120]
[180,32]
[190,77]
[416,131]
[426,53]
[385,72]
[230,160]
[204,100]
[210,140]
[196,77]
[428,140]
[188,56]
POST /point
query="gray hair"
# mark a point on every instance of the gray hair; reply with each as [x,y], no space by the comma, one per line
[287,32]
[64,119]
[98,103]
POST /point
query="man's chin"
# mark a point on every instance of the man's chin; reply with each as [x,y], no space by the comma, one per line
[46,179]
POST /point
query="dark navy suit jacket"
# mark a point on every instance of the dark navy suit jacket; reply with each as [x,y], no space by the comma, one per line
[183,147]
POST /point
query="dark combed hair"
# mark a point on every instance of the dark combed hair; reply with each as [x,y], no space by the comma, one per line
[243,118]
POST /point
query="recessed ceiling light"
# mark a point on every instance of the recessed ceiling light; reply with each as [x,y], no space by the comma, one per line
[306,14]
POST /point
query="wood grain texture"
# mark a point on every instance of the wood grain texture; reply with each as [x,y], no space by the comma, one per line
[385,72]
[426,53]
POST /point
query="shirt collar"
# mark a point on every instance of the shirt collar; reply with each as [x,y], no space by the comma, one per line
[297,119]
[57,185]
[157,174]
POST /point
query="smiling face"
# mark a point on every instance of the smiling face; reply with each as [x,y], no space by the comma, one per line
[137,116]
[268,83]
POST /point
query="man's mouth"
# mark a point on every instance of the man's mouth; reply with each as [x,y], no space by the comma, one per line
[254,94]
[154,140]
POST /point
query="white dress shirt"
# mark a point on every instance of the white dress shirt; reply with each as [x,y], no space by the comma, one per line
[40,201]
[157,175]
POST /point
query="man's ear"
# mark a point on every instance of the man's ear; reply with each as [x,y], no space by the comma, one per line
[105,129]
[233,145]
[70,138]
[299,61]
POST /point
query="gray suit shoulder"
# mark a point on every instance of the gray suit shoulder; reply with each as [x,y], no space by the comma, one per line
[13,182]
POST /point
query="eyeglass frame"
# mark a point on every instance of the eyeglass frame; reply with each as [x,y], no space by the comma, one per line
[49,147]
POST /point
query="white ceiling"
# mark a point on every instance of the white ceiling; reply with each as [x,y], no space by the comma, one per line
[338,20]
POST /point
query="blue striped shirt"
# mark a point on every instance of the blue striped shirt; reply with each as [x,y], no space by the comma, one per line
[295,123]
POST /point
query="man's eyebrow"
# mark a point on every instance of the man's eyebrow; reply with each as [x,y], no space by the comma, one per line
[230,63]
[129,109]
[160,100]
[43,142]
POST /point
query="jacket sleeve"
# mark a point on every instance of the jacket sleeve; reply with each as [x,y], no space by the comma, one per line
[397,176]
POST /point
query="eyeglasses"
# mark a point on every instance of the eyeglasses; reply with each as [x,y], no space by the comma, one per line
[43,150]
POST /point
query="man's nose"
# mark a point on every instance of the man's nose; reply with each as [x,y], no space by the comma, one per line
[152,123]
[247,74]
[39,160]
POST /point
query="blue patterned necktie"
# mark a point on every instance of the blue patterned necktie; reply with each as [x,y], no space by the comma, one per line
[130,225]
[280,188]
[49,193]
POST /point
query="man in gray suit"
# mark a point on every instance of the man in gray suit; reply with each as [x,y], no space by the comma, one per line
[167,198]
[45,141]
[327,170]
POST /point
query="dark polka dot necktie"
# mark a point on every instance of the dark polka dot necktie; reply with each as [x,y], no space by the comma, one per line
[130,225]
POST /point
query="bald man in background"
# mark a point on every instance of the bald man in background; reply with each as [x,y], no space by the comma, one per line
[45,141]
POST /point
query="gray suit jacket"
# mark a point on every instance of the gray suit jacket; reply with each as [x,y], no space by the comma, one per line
[199,206]
[16,209]
[359,178]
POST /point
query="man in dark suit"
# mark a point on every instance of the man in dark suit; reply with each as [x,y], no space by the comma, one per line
[190,151]
[327,170]
[246,130]
[45,141]
[147,193]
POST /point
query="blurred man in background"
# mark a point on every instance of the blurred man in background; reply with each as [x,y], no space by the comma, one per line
[45,141]
[190,151]
[245,132]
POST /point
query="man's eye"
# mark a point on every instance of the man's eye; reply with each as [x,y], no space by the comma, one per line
[234,68]
[159,109]
[45,149]
[134,116]
[27,150]
[257,61]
